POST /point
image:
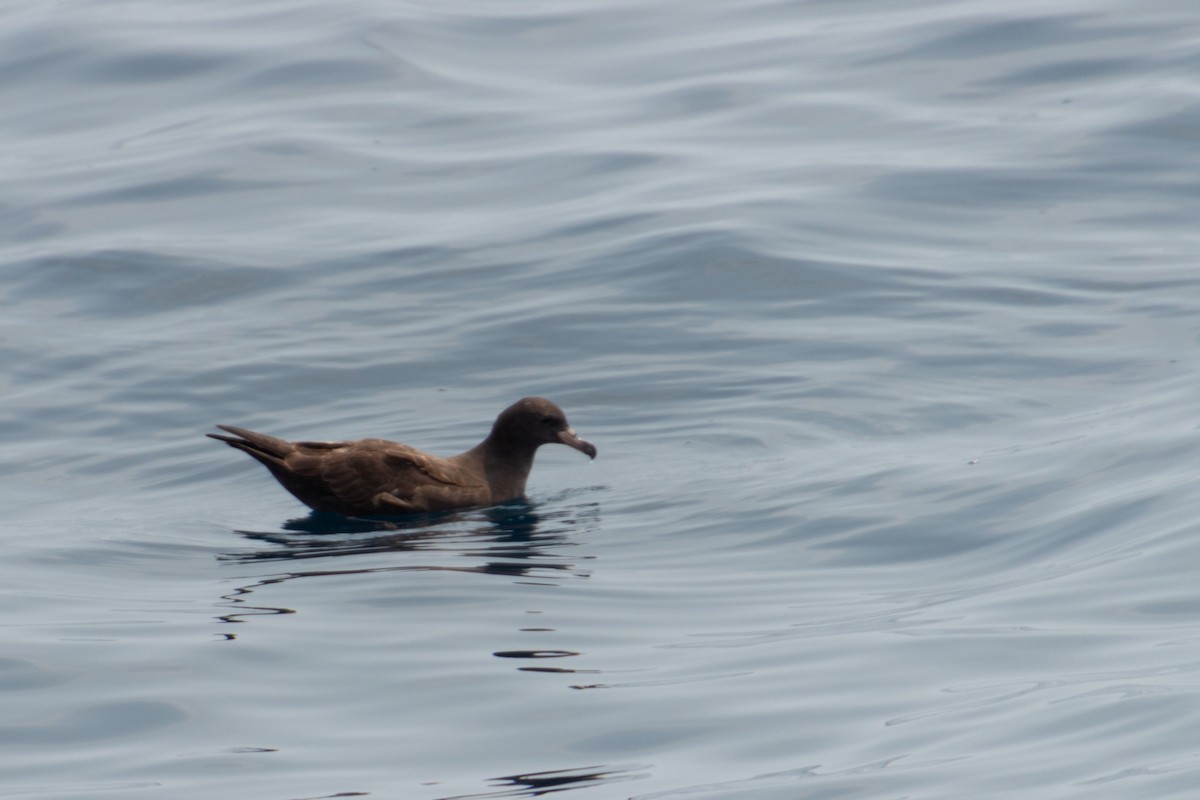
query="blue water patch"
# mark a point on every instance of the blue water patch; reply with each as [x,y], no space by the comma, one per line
[882,317]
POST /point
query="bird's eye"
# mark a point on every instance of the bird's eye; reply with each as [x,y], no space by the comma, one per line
[548,420]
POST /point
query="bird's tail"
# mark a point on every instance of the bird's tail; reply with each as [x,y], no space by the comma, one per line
[267,449]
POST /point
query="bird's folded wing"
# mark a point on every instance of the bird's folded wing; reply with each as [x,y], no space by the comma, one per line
[404,458]
[356,473]
[322,446]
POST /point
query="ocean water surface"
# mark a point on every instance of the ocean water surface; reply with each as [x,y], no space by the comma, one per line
[883,317]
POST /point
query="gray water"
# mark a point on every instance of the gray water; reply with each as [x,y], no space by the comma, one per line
[883,317]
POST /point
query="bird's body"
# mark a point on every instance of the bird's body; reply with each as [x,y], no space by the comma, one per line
[375,476]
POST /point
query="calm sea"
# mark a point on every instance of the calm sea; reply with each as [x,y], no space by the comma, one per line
[883,316]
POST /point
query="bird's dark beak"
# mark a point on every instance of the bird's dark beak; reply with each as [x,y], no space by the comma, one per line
[568,437]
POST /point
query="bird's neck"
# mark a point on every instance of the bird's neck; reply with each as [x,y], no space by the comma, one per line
[506,465]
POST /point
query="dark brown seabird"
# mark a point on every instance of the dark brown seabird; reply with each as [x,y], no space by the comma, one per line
[375,476]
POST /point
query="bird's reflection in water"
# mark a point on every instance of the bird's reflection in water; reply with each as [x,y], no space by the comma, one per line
[536,784]
[514,540]
[511,531]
